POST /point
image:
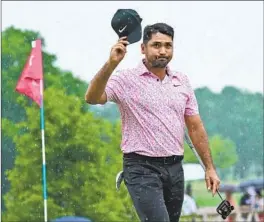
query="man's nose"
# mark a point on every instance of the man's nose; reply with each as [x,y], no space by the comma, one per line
[162,51]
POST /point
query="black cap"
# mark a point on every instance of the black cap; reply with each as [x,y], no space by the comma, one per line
[127,22]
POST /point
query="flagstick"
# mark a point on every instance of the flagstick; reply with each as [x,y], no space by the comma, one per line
[28,85]
[44,179]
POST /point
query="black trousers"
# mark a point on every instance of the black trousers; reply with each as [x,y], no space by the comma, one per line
[156,186]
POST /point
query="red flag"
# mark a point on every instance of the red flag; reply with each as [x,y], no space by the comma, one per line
[30,81]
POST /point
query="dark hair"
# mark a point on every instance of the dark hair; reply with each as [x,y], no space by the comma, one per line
[155,28]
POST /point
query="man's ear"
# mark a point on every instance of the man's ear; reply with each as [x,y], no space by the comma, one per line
[143,48]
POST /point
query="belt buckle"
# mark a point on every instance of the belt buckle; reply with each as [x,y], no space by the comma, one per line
[165,160]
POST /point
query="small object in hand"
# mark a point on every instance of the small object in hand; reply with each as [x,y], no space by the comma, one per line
[127,22]
[224,209]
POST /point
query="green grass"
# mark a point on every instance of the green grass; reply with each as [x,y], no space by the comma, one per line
[204,198]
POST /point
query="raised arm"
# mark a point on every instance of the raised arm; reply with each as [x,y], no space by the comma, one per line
[95,93]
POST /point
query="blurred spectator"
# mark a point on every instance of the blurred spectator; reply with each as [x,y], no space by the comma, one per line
[249,199]
[189,206]
[245,199]
[260,205]
[259,200]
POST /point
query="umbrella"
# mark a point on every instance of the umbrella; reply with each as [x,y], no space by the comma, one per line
[256,183]
[193,172]
[72,219]
[228,188]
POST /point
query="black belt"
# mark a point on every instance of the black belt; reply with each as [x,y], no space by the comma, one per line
[165,160]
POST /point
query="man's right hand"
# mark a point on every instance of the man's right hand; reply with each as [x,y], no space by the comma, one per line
[118,51]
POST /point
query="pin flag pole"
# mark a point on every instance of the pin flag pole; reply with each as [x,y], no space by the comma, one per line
[31,84]
[42,128]
[44,178]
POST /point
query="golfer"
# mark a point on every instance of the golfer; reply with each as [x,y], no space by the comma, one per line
[155,104]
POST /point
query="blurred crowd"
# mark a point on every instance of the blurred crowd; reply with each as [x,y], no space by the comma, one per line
[252,199]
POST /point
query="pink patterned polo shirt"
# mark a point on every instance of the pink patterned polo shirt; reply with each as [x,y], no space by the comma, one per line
[152,111]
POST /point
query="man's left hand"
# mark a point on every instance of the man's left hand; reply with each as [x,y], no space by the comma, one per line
[212,180]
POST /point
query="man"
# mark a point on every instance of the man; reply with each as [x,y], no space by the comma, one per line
[155,103]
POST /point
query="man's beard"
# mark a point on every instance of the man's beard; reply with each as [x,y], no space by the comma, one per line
[160,62]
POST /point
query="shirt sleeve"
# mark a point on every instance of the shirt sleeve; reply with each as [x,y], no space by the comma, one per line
[191,104]
[114,88]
